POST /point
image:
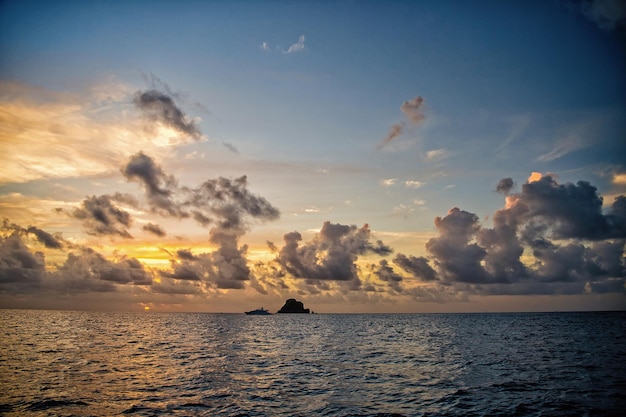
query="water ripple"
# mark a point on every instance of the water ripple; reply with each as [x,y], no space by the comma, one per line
[103,364]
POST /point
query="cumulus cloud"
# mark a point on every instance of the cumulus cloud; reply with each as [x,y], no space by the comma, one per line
[20,269]
[412,110]
[296,47]
[159,107]
[573,241]
[84,270]
[331,255]
[223,204]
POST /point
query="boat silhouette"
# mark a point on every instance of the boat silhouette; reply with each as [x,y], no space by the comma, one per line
[258,312]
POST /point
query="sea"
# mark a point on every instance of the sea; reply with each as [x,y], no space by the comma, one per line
[68,363]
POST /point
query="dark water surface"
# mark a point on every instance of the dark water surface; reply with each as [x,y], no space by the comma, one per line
[55,363]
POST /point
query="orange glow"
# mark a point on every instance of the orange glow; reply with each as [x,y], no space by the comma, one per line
[619,179]
[510,201]
[534,176]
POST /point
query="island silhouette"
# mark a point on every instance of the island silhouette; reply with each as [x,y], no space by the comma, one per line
[293,306]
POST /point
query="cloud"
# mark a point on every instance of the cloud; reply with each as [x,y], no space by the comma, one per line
[85,270]
[20,269]
[90,270]
[84,132]
[264,46]
[154,229]
[505,185]
[386,274]
[412,110]
[296,47]
[48,240]
[416,266]
[158,186]
[230,147]
[101,217]
[413,184]
[388,182]
[394,132]
[607,14]
[331,255]
[572,241]
[619,178]
[159,107]
[223,204]
[436,154]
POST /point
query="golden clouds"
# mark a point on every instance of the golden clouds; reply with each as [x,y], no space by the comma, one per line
[61,135]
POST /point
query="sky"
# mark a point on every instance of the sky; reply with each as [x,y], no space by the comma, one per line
[359,156]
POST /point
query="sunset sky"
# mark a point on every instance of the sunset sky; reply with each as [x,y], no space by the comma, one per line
[360,156]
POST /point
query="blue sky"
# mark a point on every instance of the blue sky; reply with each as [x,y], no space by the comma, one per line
[299,97]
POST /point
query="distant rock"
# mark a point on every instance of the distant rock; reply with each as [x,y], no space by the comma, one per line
[294,306]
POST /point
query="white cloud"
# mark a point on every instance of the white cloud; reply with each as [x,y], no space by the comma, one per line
[388,182]
[296,47]
[437,154]
[413,184]
[264,46]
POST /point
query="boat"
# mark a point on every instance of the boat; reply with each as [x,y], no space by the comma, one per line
[258,312]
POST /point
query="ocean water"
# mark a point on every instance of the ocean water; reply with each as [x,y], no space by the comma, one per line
[56,363]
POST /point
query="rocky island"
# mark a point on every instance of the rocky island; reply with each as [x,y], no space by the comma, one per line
[294,306]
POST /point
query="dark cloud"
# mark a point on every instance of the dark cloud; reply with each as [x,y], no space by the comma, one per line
[570,211]
[187,271]
[229,202]
[418,267]
[230,147]
[385,273]
[89,270]
[20,269]
[84,270]
[331,255]
[226,205]
[224,202]
[570,243]
[48,240]
[101,217]
[225,268]
[455,255]
[154,229]
[160,107]
[505,185]
[158,186]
